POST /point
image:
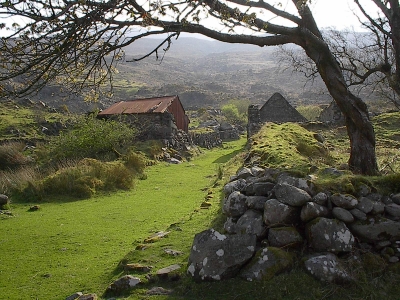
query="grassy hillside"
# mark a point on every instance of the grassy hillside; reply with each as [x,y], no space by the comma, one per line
[72,245]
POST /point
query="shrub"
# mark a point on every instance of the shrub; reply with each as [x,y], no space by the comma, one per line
[92,138]
[235,111]
[310,112]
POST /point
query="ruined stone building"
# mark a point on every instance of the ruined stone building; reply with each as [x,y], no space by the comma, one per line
[332,115]
[156,118]
[277,110]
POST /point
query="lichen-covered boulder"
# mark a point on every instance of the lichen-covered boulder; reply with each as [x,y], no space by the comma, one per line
[376,229]
[300,183]
[284,237]
[365,205]
[326,267]
[267,263]
[257,171]
[342,214]
[277,213]
[312,210]
[321,199]
[251,222]
[236,185]
[291,195]
[235,204]
[329,235]
[378,208]
[230,225]
[259,188]
[244,173]
[122,285]
[344,201]
[215,256]
[256,202]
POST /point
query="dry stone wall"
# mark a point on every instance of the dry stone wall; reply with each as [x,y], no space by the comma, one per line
[273,219]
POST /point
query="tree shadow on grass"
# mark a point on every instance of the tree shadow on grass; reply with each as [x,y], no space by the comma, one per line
[225,158]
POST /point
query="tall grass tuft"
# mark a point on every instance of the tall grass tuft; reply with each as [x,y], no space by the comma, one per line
[11,155]
[13,181]
[87,177]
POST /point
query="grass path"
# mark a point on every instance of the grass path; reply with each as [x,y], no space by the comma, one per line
[76,246]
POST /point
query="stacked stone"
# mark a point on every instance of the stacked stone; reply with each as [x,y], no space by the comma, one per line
[271,216]
[206,140]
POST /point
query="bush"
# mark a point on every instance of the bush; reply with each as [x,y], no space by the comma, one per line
[310,112]
[92,138]
[235,111]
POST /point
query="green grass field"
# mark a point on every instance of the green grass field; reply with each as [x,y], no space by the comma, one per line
[66,247]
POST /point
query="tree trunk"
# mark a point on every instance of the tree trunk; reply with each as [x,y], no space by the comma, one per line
[359,127]
[362,156]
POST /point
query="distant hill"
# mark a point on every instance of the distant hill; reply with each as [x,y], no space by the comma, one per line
[204,73]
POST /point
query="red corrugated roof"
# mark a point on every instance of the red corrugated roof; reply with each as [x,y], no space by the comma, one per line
[140,106]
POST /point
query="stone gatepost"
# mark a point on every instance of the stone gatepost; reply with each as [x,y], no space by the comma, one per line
[253,120]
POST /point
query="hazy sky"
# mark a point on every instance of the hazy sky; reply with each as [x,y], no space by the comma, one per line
[339,13]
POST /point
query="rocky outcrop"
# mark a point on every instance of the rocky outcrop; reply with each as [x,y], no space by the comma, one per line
[273,217]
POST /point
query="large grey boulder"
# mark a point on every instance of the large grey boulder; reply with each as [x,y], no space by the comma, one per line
[342,214]
[326,267]
[230,226]
[256,202]
[277,213]
[267,263]
[393,209]
[344,201]
[215,256]
[396,198]
[378,208]
[329,235]
[291,195]
[300,183]
[259,188]
[312,210]
[376,229]
[251,222]
[236,185]
[358,214]
[235,204]
[321,199]
[365,205]
[257,171]
[284,237]
[244,173]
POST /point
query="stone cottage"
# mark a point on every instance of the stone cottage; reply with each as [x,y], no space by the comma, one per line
[332,115]
[277,109]
[156,118]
